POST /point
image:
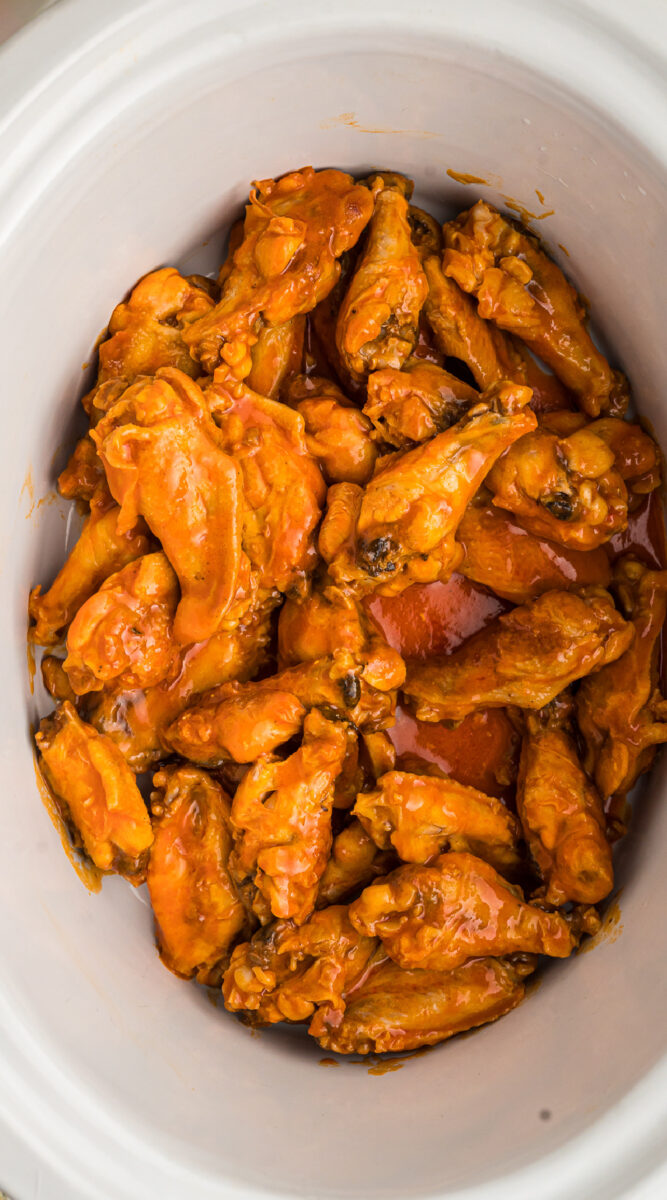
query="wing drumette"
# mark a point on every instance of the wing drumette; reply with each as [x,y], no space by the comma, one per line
[378,318]
[524,292]
[401,528]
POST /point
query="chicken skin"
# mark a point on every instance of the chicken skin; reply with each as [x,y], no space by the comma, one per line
[489,354]
[84,474]
[331,620]
[524,657]
[241,722]
[355,861]
[378,318]
[295,230]
[97,792]
[394,1010]
[198,913]
[101,550]
[414,404]
[276,356]
[525,293]
[244,720]
[621,711]
[561,812]
[136,721]
[196,508]
[518,566]
[122,634]
[287,971]
[565,489]
[436,917]
[146,333]
[422,815]
[282,483]
[337,434]
[401,528]
[281,816]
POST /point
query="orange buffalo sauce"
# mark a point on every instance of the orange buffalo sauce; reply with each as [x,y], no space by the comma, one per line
[435,618]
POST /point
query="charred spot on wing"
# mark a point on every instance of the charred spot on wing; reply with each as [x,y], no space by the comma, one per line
[351,689]
[376,557]
[560,506]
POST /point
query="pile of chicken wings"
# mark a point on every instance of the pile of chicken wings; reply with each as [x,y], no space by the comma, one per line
[363,401]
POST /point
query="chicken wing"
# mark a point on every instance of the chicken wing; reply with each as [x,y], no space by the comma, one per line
[136,721]
[438,916]
[286,971]
[122,634]
[331,620]
[378,318]
[524,657]
[245,720]
[422,815]
[84,474]
[517,565]
[281,816]
[97,792]
[196,508]
[55,679]
[276,356]
[524,292]
[282,483]
[561,812]
[295,230]
[394,1010]
[100,550]
[355,861]
[414,404]
[489,354]
[636,456]
[401,529]
[241,722]
[198,913]
[337,434]
[621,711]
[566,489]
[145,333]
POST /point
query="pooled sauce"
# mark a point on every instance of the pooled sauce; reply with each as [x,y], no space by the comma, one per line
[434,618]
[481,752]
[645,533]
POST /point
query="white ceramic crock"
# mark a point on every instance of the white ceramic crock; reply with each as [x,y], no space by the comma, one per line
[130,133]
